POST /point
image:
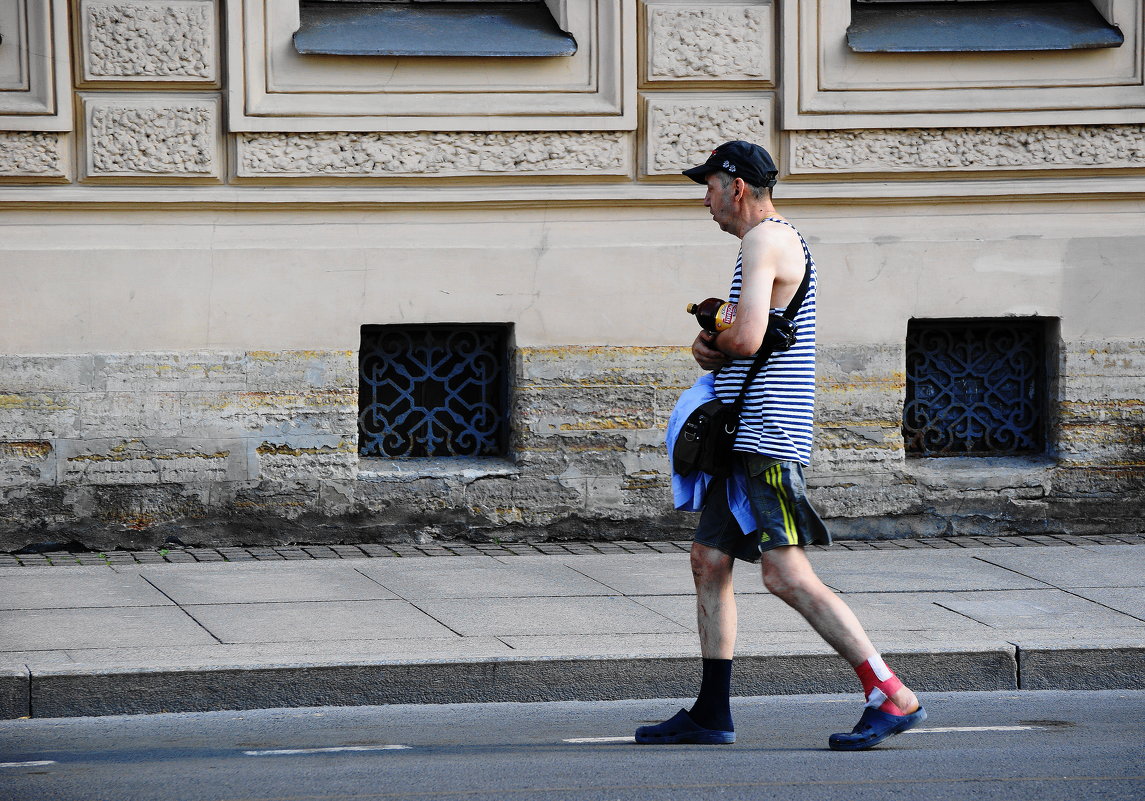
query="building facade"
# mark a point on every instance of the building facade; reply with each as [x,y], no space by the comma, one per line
[264,279]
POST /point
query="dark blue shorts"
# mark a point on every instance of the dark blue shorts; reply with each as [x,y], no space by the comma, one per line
[779,504]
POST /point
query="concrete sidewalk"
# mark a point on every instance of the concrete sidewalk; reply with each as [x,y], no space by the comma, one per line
[140,638]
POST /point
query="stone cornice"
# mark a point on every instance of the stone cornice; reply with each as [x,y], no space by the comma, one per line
[1122,187]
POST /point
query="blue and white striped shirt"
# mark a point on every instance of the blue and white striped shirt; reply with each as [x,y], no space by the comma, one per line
[779,405]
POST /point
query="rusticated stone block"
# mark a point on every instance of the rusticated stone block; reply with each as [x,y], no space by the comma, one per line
[25,462]
[38,415]
[937,149]
[149,40]
[151,461]
[587,366]
[682,128]
[23,374]
[32,155]
[307,459]
[370,154]
[168,136]
[277,414]
[706,42]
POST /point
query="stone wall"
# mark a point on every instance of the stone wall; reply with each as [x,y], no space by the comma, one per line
[260,448]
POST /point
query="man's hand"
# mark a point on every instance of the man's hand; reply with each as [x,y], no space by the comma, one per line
[705,353]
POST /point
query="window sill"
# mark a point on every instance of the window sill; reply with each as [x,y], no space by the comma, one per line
[979,27]
[980,472]
[485,30]
[400,470]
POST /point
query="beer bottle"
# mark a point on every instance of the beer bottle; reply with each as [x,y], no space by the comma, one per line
[713,314]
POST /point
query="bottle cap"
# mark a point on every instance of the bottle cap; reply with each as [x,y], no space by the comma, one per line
[691,308]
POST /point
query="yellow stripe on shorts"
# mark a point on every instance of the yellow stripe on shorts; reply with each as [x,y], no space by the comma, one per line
[774,476]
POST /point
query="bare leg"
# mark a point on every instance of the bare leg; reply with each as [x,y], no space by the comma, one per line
[715,601]
[787,573]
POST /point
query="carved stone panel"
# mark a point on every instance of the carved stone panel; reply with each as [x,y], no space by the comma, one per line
[709,42]
[169,136]
[683,129]
[28,154]
[937,149]
[354,155]
[148,40]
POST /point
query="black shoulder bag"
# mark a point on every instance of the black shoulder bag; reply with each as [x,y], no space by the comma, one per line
[706,441]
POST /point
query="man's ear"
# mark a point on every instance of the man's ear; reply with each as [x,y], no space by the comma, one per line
[739,188]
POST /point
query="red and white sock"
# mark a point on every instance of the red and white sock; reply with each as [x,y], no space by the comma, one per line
[879,684]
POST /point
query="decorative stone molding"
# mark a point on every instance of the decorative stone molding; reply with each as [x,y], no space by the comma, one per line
[709,43]
[35,66]
[935,149]
[148,40]
[173,136]
[30,154]
[448,154]
[682,130]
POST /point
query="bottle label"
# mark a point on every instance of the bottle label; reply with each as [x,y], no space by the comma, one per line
[725,316]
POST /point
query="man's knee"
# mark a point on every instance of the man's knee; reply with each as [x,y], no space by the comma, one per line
[709,564]
[787,574]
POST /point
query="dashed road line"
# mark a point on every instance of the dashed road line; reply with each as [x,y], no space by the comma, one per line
[953,729]
[36,764]
[333,750]
[587,740]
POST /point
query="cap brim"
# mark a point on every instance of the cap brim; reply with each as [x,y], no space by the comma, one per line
[699,174]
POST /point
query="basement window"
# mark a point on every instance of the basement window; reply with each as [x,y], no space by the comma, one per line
[433,391]
[469,28]
[976,387]
[964,26]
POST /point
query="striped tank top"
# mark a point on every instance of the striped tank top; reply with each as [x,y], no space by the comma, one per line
[780,403]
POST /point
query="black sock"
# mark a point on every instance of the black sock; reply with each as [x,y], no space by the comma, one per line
[712,709]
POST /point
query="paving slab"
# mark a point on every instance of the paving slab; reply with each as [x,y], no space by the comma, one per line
[316,621]
[254,583]
[138,627]
[587,615]
[1130,600]
[1032,609]
[916,571]
[480,577]
[1113,566]
[754,612]
[73,590]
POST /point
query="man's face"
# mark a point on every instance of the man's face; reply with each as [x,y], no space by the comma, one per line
[719,201]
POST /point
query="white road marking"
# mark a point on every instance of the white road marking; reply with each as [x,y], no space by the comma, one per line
[585,740]
[38,764]
[292,751]
[951,729]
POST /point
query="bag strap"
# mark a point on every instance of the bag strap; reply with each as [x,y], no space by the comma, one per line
[763,355]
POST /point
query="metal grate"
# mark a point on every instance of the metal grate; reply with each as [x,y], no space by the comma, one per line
[433,391]
[975,387]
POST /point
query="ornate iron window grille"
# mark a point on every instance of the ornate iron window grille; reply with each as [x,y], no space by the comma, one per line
[975,387]
[433,391]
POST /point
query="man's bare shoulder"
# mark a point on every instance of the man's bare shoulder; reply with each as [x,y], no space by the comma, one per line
[776,240]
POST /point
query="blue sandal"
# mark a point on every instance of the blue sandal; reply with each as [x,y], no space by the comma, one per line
[680,729]
[874,727]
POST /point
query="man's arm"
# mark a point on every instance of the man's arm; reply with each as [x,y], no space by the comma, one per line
[762,256]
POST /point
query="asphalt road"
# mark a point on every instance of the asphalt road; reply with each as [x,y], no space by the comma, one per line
[1039,746]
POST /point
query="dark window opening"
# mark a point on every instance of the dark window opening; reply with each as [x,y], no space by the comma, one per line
[518,28]
[433,391]
[976,387]
[898,26]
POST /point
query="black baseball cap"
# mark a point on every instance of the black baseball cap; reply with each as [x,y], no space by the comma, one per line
[741,160]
